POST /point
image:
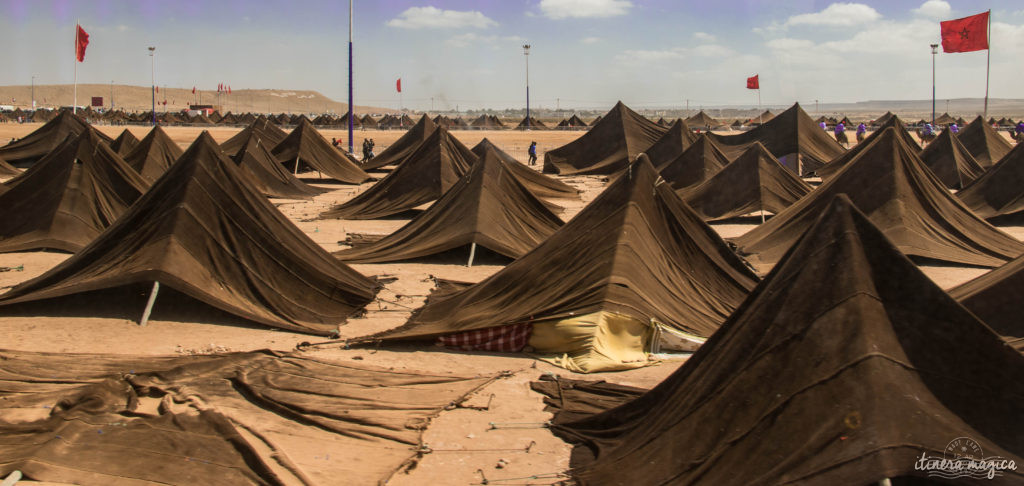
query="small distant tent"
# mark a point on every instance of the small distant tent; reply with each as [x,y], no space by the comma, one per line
[695,165]
[26,151]
[68,198]
[367,121]
[983,142]
[950,161]
[837,164]
[754,182]
[608,147]
[267,175]
[428,172]
[593,296]
[154,154]
[401,148]
[534,124]
[537,183]
[486,208]
[124,143]
[702,120]
[259,267]
[306,147]
[890,184]
[269,134]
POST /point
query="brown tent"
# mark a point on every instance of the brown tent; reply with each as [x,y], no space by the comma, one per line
[702,120]
[882,120]
[950,161]
[753,182]
[205,232]
[539,184]
[846,365]
[367,121]
[534,124]
[837,164]
[662,122]
[423,176]
[608,146]
[489,122]
[595,120]
[268,133]
[672,144]
[944,119]
[32,147]
[254,418]
[761,119]
[305,147]
[67,198]
[792,137]
[983,142]
[124,143]
[999,192]
[153,155]
[995,297]
[228,119]
[405,145]
[488,208]
[634,261]
[695,165]
[576,121]
[890,184]
[267,175]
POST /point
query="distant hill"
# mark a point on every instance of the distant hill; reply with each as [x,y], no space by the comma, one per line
[138,98]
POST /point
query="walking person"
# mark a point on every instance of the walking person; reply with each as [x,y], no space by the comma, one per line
[841,135]
[861,131]
[533,153]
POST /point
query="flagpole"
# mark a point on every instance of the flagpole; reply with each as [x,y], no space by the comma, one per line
[74,102]
[988,60]
[351,108]
[760,114]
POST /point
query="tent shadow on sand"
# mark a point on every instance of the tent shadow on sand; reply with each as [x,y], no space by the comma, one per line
[128,302]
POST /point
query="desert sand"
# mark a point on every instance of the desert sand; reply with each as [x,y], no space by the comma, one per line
[465,448]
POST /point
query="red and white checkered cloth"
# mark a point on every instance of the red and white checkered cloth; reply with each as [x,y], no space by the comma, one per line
[510,339]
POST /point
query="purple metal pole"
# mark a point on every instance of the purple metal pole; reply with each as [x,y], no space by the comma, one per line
[351,108]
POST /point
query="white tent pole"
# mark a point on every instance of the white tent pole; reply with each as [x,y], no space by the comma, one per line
[296,165]
[472,253]
[149,304]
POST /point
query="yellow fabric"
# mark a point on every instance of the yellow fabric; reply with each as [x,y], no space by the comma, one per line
[601,341]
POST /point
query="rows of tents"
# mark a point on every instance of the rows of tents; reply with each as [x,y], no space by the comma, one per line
[819,315]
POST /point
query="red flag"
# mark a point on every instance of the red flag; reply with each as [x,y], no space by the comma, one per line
[398,85]
[752,82]
[157,89]
[219,85]
[966,34]
[81,40]
[229,89]
[193,90]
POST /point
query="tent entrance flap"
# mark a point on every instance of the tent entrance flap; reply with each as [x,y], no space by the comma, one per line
[599,341]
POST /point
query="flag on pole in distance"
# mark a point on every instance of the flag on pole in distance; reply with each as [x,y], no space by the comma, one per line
[229,89]
[752,82]
[965,35]
[398,85]
[157,89]
[81,41]
[193,90]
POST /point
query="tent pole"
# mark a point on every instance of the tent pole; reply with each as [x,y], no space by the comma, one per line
[988,61]
[472,253]
[885,482]
[296,165]
[12,478]
[762,215]
[149,304]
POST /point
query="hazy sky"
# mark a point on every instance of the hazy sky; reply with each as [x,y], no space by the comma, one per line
[586,53]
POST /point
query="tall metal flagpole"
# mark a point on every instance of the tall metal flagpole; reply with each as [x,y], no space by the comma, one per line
[74,102]
[526,53]
[351,108]
[935,50]
[760,114]
[988,60]
[152,74]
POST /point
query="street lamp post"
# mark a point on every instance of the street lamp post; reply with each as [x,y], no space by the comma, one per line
[152,74]
[526,54]
[935,50]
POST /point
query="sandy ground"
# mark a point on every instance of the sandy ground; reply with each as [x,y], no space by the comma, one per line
[466,447]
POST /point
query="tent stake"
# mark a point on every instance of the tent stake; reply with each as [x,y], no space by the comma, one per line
[149,304]
[472,253]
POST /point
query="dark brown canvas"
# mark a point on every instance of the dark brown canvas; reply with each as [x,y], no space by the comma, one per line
[124,143]
[423,176]
[488,207]
[154,154]
[539,184]
[837,164]
[791,137]
[32,147]
[997,298]
[267,175]
[754,182]
[7,170]
[672,144]
[405,145]
[205,232]
[308,148]
[637,250]
[999,192]
[950,161]
[607,147]
[983,142]
[68,198]
[572,400]
[702,120]
[269,133]
[259,417]
[695,165]
[904,199]
[843,367]
[534,124]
